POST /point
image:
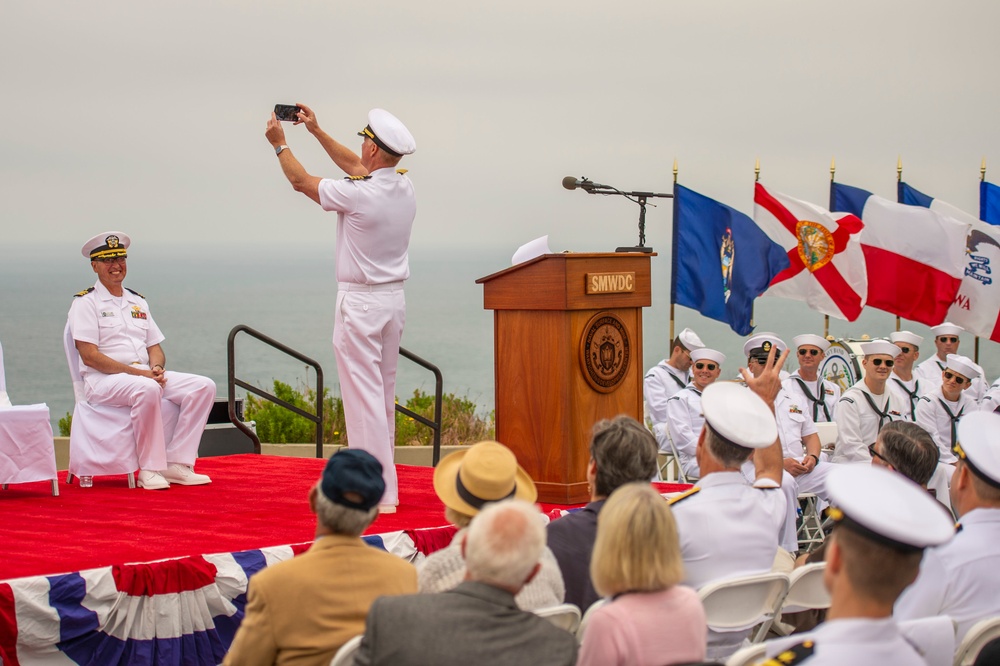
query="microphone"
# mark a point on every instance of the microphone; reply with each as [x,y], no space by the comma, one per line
[571,183]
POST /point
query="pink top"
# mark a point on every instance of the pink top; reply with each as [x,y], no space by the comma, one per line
[646,629]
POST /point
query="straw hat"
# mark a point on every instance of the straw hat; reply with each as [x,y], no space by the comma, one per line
[487,472]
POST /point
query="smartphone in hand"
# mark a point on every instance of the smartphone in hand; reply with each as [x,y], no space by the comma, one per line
[288,112]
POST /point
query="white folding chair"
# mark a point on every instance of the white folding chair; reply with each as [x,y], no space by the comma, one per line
[811,529]
[806,591]
[564,616]
[738,604]
[27,451]
[827,431]
[933,638]
[748,655]
[345,655]
[589,613]
[979,635]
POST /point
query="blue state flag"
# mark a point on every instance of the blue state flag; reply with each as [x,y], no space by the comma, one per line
[989,202]
[722,259]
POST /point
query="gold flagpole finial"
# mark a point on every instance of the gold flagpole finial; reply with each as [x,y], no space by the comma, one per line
[982,169]
[899,168]
[756,171]
[833,168]
[675,170]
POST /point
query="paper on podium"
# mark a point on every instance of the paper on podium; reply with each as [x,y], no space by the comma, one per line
[530,250]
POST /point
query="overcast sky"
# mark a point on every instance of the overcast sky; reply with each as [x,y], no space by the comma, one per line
[149,117]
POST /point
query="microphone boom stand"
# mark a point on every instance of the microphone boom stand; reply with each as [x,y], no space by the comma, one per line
[639,198]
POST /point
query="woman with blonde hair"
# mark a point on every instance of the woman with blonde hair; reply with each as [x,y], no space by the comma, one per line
[650,619]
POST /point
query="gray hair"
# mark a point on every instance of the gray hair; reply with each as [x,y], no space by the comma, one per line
[624,451]
[910,450]
[340,519]
[504,543]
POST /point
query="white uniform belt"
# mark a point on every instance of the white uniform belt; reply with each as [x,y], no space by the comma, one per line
[354,286]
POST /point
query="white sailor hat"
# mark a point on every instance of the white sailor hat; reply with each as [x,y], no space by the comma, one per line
[810,339]
[388,133]
[706,354]
[946,328]
[905,336]
[763,341]
[886,507]
[962,365]
[690,340]
[107,244]
[880,347]
[739,415]
[979,445]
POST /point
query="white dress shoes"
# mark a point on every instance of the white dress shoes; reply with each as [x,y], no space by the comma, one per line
[184,475]
[151,480]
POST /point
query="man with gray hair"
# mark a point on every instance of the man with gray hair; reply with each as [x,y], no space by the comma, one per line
[621,451]
[303,610]
[478,621]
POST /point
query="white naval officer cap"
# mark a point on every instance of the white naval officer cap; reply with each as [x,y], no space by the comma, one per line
[690,340]
[979,445]
[763,342]
[706,354]
[946,328]
[389,133]
[810,339]
[107,244]
[739,415]
[905,336]
[886,507]
[876,347]
[963,365]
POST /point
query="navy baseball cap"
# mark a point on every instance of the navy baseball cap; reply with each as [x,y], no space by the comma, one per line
[353,471]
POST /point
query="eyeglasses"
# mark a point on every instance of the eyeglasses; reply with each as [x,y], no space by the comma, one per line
[904,350]
[761,358]
[879,361]
[958,380]
[876,454]
[811,352]
[111,260]
[947,338]
[702,366]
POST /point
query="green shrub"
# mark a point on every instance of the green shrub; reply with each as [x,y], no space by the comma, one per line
[65,423]
[460,424]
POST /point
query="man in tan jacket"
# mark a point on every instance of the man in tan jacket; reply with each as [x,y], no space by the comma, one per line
[299,612]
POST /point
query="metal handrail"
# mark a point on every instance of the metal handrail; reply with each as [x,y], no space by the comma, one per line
[434,425]
[316,418]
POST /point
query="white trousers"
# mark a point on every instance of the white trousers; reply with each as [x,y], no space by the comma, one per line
[192,394]
[367,329]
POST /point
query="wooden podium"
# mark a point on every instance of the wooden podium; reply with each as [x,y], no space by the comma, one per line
[567,331]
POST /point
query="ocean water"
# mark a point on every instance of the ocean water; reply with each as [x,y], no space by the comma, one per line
[288,292]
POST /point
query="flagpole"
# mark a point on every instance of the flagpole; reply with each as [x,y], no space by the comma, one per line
[982,178]
[756,179]
[673,254]
[833,173]
[899,199]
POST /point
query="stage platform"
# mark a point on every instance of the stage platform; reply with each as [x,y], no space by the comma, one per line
[115,575]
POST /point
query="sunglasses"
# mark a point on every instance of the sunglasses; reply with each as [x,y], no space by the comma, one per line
[876,454]
[879,361]
[703,366]
[904,350]
[811,352]
[952,375]
[945,338]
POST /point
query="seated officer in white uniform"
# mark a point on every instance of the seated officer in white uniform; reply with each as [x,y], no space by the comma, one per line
[991,399]
[940,410]
[905,386]
[669,376]
[817,396]
[960,578]
[123,365]
[883,523]
[946,341]
[868,405]
[684,417]
[726,526]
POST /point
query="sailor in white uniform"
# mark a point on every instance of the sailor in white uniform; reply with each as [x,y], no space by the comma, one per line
[817,396]
[867,406]
[375,207]
[905,386]
[946,341]
[940,411]
[668,377]
[991,400]
[726,526]
[883,523]
[684,415]
[959,579]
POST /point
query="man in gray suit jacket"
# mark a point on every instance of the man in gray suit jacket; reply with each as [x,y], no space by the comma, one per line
[478,621]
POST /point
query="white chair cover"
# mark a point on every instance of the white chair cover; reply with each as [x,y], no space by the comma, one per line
[27,452]
[564,616]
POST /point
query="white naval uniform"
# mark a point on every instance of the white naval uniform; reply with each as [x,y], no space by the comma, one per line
[727,528]
[850,641]
[991,399]
[959,579]
[684,423]
[931,369]
[812,404]
[659,385]
[374,219]
[907,394]
[123,329]
[858,424]
[933,418]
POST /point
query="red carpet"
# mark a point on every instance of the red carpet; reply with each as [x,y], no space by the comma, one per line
[252,502]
